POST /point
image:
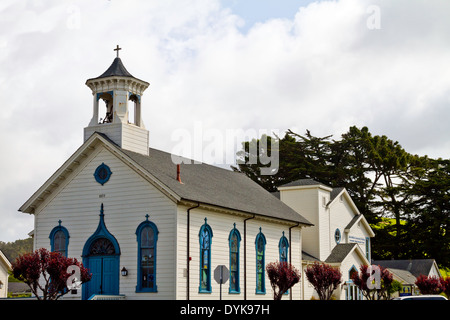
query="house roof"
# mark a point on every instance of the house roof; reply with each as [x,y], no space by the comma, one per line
[5,261]
[202,183]
[417,267]
[403,276]
[214,186]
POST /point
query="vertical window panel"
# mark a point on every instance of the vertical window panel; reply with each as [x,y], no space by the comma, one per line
[147,237]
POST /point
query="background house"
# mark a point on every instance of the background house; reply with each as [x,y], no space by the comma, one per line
[406,271]
[340,235]
[5,267]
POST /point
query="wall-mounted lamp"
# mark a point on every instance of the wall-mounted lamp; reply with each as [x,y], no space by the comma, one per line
[124,272]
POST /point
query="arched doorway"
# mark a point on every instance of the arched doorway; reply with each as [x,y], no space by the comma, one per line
[101,255]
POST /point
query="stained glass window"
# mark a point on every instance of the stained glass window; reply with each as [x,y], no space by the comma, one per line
[234,242]
[205,236]
[260,262]
[283,246]
[59,239]
[102,247]
[147,236]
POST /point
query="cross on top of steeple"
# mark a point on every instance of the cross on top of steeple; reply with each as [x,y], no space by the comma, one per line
[117,49]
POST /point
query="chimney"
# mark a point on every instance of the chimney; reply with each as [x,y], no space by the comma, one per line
[179,173]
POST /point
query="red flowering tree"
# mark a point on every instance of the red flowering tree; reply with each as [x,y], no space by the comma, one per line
[49,275]
[324,278]
[375,282]
[446,286]
[282,276]
[429,285]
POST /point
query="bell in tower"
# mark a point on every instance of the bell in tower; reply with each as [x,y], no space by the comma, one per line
[117,107]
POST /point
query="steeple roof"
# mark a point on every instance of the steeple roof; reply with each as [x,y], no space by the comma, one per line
[116,69]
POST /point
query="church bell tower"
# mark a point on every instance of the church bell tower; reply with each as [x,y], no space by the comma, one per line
[117,108]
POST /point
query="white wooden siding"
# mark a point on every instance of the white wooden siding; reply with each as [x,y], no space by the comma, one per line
[305,201]
[127,198]
[221,225]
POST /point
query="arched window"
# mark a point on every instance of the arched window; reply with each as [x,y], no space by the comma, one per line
[283,247]
[59,239]
[260,244]
[147,237]
[234,240]
[205,236]
[134,109]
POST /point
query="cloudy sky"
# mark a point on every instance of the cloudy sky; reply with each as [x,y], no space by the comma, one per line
[218,65]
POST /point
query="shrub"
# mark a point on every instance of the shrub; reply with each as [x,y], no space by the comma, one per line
[324,278]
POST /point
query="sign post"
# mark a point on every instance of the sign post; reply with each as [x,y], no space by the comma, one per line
[221,275]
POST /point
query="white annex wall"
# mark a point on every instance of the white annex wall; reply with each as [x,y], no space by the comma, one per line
[221,225]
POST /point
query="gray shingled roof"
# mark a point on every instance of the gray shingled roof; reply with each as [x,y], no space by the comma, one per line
[335,192]
[415,266]
[215,186]
[407,276]
[116,69]
[303,182]
[339,252]
[353,221]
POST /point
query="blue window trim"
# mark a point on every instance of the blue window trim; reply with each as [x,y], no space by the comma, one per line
[59,227]
[264,242]
[134,94]
[101,232]
[139,229]
[111,93]
[368,251]
[283,240]
[205,228]
[235,232]
[99,177]
[337,236]
[352,268]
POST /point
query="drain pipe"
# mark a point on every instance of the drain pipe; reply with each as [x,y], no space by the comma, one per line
[245,256]
[290,253]
[188,258]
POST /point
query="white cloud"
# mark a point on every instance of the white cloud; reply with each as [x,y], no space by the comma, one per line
[322,70]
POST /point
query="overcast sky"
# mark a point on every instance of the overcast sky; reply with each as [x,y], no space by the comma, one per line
[218,65]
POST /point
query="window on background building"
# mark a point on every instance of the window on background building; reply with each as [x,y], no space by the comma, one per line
[205,236]
[147,237]
[368,248]
[234,241]
[337,236]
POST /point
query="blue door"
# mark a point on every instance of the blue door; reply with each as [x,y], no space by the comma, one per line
[103,263]
[105,275]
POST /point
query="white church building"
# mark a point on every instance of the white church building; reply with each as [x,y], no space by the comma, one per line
[148,228]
